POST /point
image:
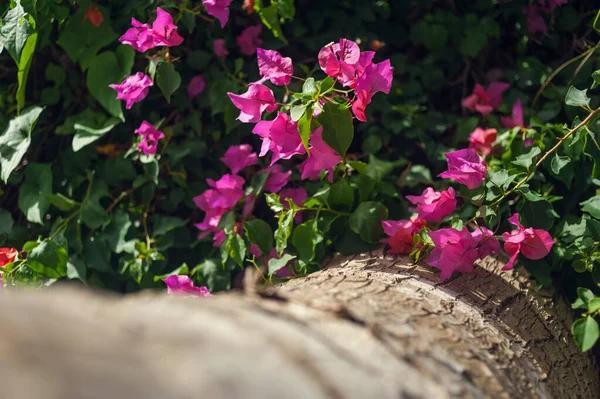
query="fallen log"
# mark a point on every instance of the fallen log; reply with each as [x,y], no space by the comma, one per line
[369,326]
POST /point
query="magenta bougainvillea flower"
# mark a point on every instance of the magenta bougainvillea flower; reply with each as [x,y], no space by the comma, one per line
[277,178]
[532,243]
[401,234]
[482,140]
[322,157]
[196,86]
[516,119]
[466,167]
[143,37]
[549,6]
[434,206]
[183,285]
[338,60]
[274,67]
[485,100]
[254,102]
[237,157]
[376,78]
[249,40]
[221,197]
[150,137]
[220,48]
[454,251]
[487,244]
[133,89]
[280,136]
[298,195]
[218,9]
[535,20]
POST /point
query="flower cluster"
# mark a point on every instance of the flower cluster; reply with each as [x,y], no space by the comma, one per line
[533,14]
[459,249]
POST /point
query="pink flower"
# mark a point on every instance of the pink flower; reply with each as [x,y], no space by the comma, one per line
[466,167]
[434,206]
[297,195]
[221,197]
[196,86]
[249,40]
[487,244]
[454,251]
[254,102]
[528,142]
[482,140]
[532,243]
[376,78]
[322,157]
[219,238]
[535,20]
[133,89]
[338,60]
[401,234]
[7,255]
[549,6]
[284,271]
[485,101]
[183,285]
[218,9]
[237,157]
[277,179]
[281,136]
[220,49]
[274,67]
[150,138]
[211,219]
[517,117]
[163,32]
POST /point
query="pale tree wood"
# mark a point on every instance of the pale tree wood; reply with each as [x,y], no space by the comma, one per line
[370,326]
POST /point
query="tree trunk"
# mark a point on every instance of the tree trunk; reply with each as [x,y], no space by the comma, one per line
[369,326]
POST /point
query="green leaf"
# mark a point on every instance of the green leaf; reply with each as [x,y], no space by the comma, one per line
[105,70]
[341,196]
[214,275]
[61,202]
[366,220]
[527,159]
[586,295]
[76,269]
[297,111]
[260,233]
[237,250]
[6,222]
[96,254]
[577,98]
[538,214]
[304,127]
[184,269]
[81,40]
[284,230]
[199,59]
[15,29]
[309,88]
[559,162]
[592,206]
[501,178]
[338,129]
[162,224]
[276,264]
[32,194]
[86,135]
[274,202]
[24,65]
[596,74]
[168,80]
[49,259]
[270,18]
[305,239]
[115,233]
[585,332]
[594,305]
[15,140]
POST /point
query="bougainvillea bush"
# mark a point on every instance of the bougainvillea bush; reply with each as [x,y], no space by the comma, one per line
[171,144]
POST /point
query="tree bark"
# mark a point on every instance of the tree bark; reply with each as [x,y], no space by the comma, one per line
[370,326]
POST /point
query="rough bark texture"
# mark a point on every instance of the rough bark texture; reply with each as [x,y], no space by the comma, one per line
[366,327]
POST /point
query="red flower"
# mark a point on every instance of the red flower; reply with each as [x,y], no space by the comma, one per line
[7,255]
[94,15]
